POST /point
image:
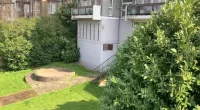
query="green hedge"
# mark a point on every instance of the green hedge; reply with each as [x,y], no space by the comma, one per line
[49,39]
[15,43]
[157,68]
[71,55]
[39,41]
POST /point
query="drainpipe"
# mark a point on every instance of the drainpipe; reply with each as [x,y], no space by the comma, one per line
[119,24]
[126,12]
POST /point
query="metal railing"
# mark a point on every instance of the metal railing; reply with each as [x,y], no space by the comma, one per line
[106,65]
[144,9]
[88,10]
[103,68]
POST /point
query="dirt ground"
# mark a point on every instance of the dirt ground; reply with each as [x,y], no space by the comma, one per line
[17,97]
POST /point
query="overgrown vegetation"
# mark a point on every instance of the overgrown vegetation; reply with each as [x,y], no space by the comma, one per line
[197,9]
[49,39]
[157,68]
[15,43]
[70,53]
[36,42]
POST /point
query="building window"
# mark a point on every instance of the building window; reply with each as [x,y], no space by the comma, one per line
[85,3]
[52,8]
[79,29]
[110,8]
[89,30]
[147,1]
[38,6]
[27,8]
[125,3]
[94,31]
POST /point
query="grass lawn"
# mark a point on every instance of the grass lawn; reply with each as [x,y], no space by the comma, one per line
[80,97]
[12,82]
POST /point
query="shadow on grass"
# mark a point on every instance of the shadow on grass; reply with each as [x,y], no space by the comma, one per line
[86,104]
[81,105]
[94,90]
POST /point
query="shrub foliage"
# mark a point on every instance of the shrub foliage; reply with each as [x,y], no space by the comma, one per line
[70,55]
[49,39]
[15,43]
[35,42]
[64,15]
[157,68]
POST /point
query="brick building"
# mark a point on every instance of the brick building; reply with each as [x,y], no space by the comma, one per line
[11,9]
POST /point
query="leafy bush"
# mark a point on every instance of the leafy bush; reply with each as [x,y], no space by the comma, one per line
[157,68]
[197,8]
[14,43]
[70,53]
[53,38]
[49,39]
[70,56]
[35,42]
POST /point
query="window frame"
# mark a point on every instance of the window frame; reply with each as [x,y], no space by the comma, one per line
[124,9]
[110,8]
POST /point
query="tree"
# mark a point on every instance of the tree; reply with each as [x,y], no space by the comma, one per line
[157,67]
[64,15]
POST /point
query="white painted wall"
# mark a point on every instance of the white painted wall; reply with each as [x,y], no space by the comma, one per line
[89,33]
[109,31]
[92,38]
[90,53]
[105,54]
[109,35]
[125,29]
